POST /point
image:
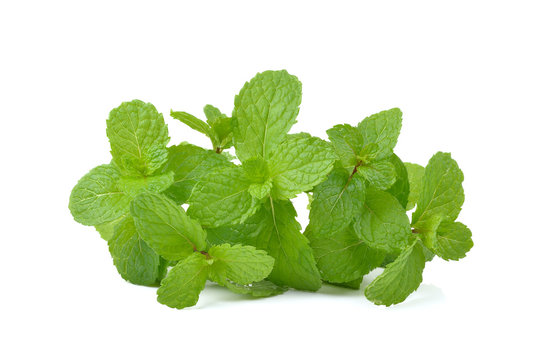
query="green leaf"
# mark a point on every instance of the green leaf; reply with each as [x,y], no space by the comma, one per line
[348,143]
[298,164]
[222,197]
[242,264]
[380,174]
[138,137]
[294,262]
[212,114]
[256,170]
[106,229]
[261,191]
[96,198]
[383,223]
[184,283]
[135,261]
[263,288]
[353,284]
[382,129]
[194,123]
[264,112]
[189,163]
[399,279]
[336,202]
[343,257]
[165,226]
[274,229]
[453,241]
[442,193]
[134,186]
[400,188]
[221,125]
[415,174]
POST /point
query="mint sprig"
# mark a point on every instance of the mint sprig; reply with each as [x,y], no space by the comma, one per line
[240,229]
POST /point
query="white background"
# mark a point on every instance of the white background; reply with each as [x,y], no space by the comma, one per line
[465,74]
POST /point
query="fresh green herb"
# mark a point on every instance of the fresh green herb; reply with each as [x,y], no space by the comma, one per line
[240,229]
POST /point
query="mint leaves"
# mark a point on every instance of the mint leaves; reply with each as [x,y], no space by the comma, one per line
[179,216]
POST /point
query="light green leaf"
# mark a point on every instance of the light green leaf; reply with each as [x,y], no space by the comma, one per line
[135,261]
[212,114]
[298,164]
[221,125]
[222,197]
[343,257]
[259,289]
[383,130]
[383,223]
[138,137]
[194,123]
[380,174]
[274,229]
[348,143]
[264,111]
[294,262]
[96,198]
[442,193]
[399,279]
[453,241]
[133,186]
[165,226]
[242,264]
[106,229]
[336,202]
[400,188]
[261,191]
[184,283]
[415,173]
[189,163]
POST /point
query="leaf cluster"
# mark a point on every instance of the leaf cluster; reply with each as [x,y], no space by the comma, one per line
[240,229]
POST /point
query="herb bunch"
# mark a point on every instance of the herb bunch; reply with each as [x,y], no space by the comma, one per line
[240,229]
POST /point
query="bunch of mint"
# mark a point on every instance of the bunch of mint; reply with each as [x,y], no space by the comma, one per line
[240,229]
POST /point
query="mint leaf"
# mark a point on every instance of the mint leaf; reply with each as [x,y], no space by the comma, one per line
[264,111]
[134,186]
[258,289]
[383,130]
[400,188]
[299,163]
[221,125]
[165,226]
[222,197]
[343,257]
[383,223]
[242,264]
[189,163]
[194,123]
[399,279]
[135,261]
[380,174]
[415,173]
[442,193]
[294,262]
[348,144]
[184,283]
[336,202]
[213,115]
[354,284]
[106,229]
[96,198]
[453,241]
[274,229]
[138,137]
